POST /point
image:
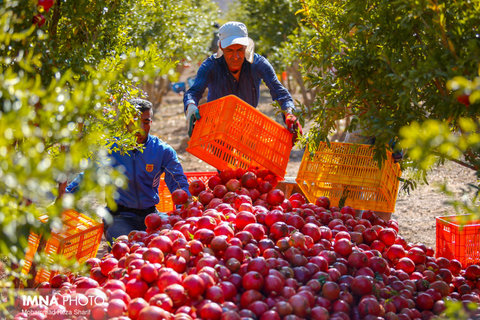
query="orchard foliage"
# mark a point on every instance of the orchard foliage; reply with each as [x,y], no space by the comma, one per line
[388,64]
[269,23]
[182,29]
[63,96]
[77,34]
[435,139]
[179,29]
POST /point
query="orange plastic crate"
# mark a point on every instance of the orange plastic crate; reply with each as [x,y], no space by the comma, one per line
[346,170]
[458,237]
[166,204]
[79,239]
[233,134]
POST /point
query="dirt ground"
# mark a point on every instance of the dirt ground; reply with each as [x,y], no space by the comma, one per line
[415,212]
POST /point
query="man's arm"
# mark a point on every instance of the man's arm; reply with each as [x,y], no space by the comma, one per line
[73,186]
[277,90]
[195,93]
[280,93]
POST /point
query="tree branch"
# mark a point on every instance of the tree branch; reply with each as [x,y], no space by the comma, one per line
[52,30]
[464,164]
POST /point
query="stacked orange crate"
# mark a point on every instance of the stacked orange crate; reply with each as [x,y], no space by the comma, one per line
[348,171]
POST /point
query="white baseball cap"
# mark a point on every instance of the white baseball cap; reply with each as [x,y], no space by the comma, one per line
[233,33]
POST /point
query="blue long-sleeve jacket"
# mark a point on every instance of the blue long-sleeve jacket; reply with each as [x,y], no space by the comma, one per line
[214,75]
[143,171]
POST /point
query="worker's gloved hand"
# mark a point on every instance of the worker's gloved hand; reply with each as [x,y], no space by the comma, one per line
[293,125]
[192,115]
[397,156]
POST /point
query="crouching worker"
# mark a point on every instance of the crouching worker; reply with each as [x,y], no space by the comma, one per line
[142,169]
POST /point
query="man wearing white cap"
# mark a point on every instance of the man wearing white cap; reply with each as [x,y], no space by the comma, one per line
[236,69]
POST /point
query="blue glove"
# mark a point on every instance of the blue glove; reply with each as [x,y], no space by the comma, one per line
[397,156]
[192,115]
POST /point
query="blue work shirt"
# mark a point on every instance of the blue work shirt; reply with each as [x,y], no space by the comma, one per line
[143,171]
[215,75]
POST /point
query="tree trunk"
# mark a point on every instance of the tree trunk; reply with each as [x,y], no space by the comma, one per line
[308,96]
[156,90]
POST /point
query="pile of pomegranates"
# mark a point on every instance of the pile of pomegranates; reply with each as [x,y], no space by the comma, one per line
[239,250]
